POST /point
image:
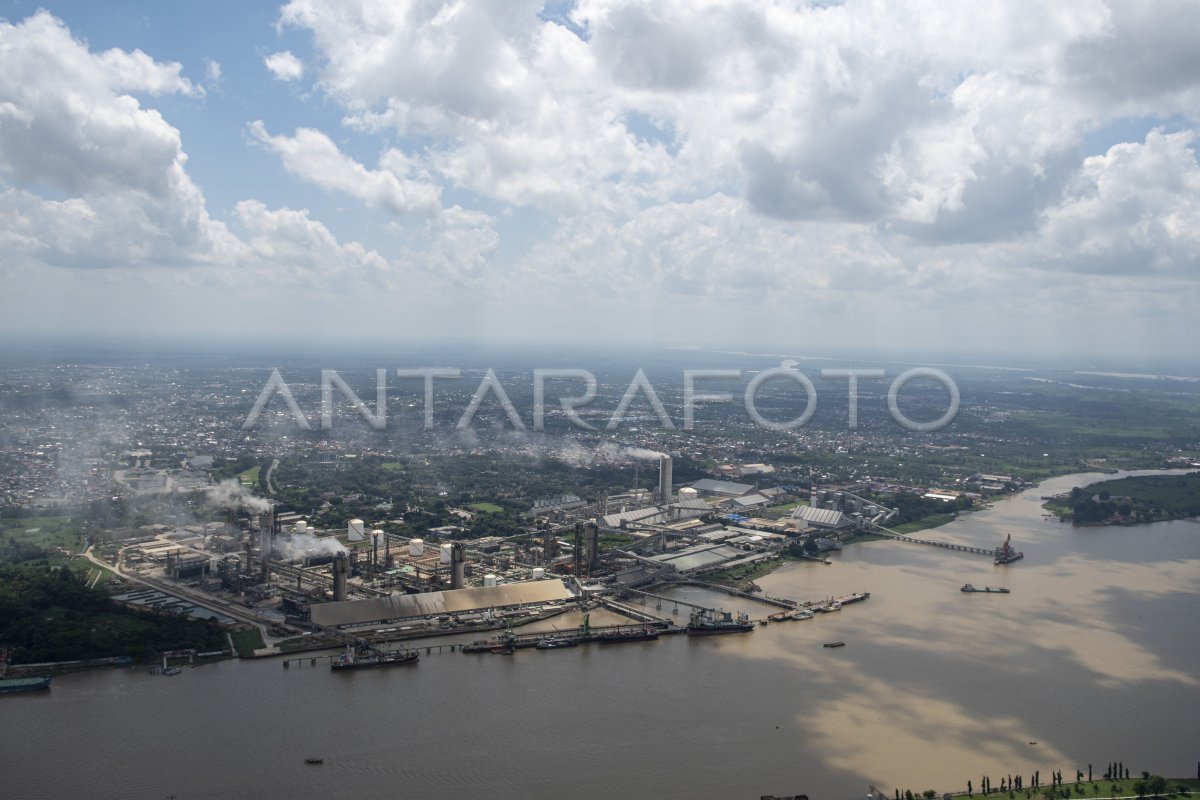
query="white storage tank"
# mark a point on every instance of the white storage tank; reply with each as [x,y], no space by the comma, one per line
[539,573]
[354,530]
[378,534]
[301,526]
[489,580]
[444,554]
[416,547]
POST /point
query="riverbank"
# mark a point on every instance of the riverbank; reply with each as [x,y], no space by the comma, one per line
[1124,789]
[1130,500]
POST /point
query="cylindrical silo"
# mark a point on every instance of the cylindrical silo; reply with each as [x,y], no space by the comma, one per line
[355,530]
[458,558]
[416,547]
[665,479]
[489,580]
[341,568]
[539,573]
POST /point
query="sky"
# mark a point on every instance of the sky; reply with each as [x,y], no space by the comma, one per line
[981,178]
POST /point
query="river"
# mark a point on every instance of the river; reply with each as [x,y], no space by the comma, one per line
[1094,656]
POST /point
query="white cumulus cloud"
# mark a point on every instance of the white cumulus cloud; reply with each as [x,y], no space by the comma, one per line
[284,66]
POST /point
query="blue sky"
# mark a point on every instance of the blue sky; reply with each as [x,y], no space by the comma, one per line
[866,174]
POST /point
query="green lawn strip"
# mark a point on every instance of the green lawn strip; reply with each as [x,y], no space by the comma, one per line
[246,641]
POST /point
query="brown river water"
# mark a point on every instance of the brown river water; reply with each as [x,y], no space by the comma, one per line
[1095,656]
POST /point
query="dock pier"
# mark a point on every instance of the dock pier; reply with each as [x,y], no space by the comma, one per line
[994,552]
[778,602]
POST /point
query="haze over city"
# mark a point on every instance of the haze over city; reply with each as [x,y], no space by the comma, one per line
[599,399]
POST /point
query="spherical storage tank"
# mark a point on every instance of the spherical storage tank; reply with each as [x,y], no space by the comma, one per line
[355,530]
[539,573]
[489,580]
[444,555]
[416,547]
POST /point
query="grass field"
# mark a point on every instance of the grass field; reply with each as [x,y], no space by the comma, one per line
[250,476]
[1058,507]
[246,641]
[59,531]
[926,523]
[784,508]
[486,508]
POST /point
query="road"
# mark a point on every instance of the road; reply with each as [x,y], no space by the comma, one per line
[203,600]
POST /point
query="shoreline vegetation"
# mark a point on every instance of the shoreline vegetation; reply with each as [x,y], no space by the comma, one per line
[1144,785]
[1132,500]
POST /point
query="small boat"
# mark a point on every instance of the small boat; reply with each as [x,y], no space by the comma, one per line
[172,671]
[314,761]
[502,650]
[966,587]
[834,644]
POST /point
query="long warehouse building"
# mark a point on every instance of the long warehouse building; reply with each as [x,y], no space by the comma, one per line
[453,601]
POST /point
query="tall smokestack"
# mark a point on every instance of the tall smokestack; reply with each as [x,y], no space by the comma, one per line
[577,555]
[664,479]
[266,535]
[457,566]
[341,568]
[592,530]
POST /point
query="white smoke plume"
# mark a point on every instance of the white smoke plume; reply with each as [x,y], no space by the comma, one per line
[231,493]
[643,453]
[299,545]
[578,455]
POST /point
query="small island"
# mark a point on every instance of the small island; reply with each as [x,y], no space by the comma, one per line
[1130,501]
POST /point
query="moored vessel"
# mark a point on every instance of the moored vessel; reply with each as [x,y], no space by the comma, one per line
[365,657]
[1005,554]
[709,623]
[13,685]
[646,634]
[555,642]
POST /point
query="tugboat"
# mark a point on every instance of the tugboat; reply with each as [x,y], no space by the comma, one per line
[834,644]
[365,656]
[709,623]
[314,761]
[791,614]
